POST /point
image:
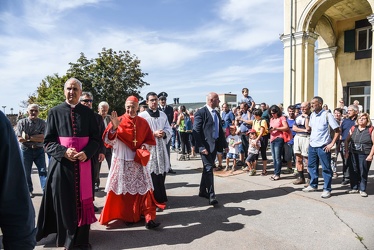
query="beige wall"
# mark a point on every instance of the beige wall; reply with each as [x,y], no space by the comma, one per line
[334,67]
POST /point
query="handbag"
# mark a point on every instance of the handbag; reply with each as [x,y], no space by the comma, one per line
[287,135]
[142,156]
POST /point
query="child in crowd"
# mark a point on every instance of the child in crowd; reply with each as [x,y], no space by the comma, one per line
[233,140]
[253,150]
[248,99]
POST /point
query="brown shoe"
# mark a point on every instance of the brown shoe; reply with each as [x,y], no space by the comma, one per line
[299,181]
[307,183]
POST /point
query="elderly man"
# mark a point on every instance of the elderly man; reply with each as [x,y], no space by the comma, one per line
[103,110]
[345,126]
[30,132]
[320,146]
[301,141]
[71,139]
[209,138]
[159,163]
[129,185]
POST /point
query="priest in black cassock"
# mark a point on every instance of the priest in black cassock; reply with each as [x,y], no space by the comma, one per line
[71,139]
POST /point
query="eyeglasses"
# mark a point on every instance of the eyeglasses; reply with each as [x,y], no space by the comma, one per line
[87,100]
[273,113]
[350,110]
[34,110]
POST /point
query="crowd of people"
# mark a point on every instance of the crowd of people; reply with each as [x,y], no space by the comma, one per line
[137,147]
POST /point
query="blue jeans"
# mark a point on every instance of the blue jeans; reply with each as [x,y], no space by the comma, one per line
[175,139]
[317,155]
[36,156]
[358,170]
[276,147]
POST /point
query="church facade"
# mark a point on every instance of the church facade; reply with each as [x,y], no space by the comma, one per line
[328,51]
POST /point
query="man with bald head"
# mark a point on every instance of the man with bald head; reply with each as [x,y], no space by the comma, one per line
[209,138]
[301,141]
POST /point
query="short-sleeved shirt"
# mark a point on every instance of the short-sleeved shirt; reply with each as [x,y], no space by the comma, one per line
[276,123]
[244,127]
[31,127]
[320,123]
[231,140]
[257,124]
[251,148]
[346,126]
[247,100]
[228,118]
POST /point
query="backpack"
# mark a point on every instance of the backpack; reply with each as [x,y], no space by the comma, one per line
[187,123]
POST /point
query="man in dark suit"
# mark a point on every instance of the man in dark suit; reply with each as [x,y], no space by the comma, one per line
[209,138]
[168,110]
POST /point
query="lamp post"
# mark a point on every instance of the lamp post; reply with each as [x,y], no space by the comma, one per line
[11,111]
[4,108]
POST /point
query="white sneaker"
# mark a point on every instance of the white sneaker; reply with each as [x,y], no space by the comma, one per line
[309,189]
[363,194]
[326,194]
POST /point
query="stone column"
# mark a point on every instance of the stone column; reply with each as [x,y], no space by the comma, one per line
[327,86]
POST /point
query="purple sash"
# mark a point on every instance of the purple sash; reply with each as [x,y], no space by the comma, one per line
[86,213]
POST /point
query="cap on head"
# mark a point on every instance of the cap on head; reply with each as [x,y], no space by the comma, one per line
[252,131]
[132,99]
[162,96]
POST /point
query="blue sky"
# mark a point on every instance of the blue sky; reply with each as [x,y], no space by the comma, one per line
[188,47]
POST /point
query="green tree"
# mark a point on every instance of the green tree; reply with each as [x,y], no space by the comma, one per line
[49,94]
[111,77]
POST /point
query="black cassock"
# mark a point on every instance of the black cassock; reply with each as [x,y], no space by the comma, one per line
[60,203]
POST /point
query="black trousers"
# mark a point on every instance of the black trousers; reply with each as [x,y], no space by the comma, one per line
[207,180]
[159,191]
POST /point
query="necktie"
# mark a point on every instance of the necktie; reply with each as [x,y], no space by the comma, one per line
[215,131]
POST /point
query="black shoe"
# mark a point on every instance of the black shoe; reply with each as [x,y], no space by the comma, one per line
[213,201]
[32,195]
[159,209]
[345,182]
[151,224]
[96,209]
[96,188]
[204,195]
[171,171]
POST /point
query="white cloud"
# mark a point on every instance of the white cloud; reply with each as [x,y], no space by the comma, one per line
[41,41]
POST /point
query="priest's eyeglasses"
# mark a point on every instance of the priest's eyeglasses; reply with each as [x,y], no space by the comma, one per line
[86,100]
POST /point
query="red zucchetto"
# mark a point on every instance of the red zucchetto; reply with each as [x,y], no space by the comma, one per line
[132,99]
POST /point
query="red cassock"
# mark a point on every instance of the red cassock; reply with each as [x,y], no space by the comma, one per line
[129,207]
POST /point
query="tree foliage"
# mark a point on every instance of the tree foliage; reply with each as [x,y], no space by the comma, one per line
[111,77]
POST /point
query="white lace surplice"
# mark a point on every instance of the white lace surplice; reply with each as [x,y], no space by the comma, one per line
[126,175]
[159,161]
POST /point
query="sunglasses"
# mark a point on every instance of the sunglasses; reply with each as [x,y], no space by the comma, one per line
[86,100]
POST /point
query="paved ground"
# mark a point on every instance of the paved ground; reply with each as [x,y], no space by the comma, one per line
[253,213]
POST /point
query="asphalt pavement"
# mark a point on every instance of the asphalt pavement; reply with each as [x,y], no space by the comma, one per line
[253,213]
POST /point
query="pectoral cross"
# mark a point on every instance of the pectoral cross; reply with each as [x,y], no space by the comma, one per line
[134,141]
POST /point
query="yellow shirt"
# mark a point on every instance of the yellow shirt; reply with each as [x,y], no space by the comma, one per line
[257,124]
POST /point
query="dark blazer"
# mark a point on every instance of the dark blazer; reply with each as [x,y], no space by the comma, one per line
[203,132]
[169,112]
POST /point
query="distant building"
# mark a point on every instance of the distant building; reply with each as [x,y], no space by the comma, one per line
[338,33]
